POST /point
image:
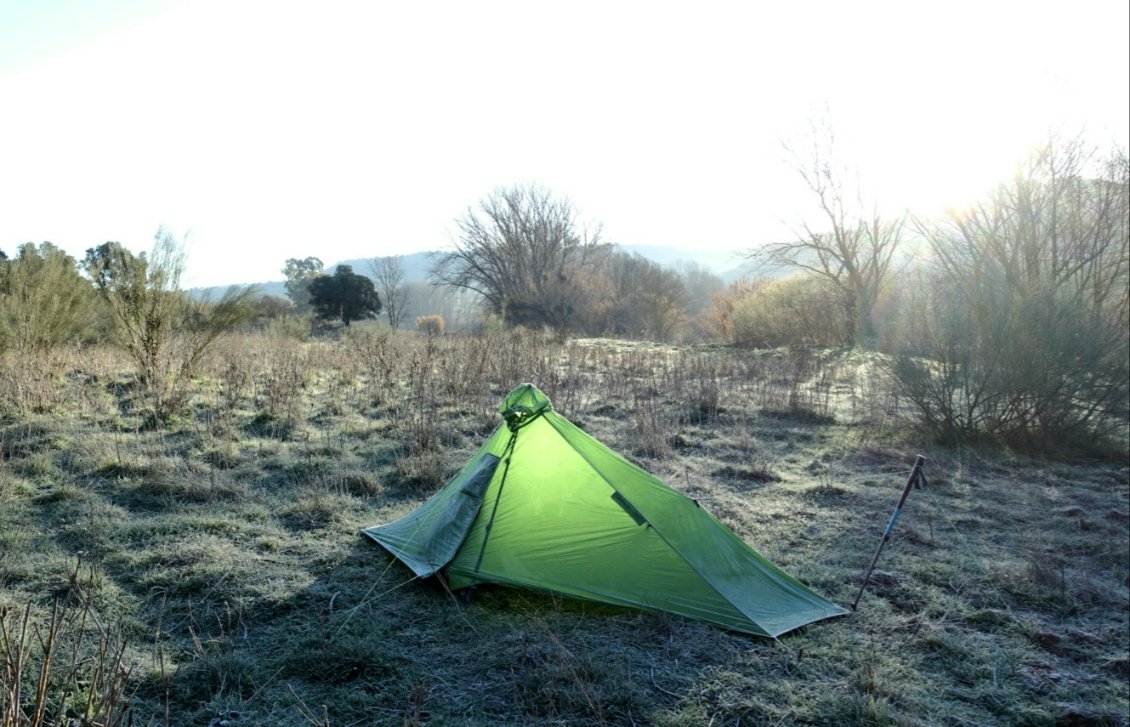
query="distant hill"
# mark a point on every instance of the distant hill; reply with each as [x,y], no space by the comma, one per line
[415,270]
[715,260]
[214,292]
[727,264]
[415,264]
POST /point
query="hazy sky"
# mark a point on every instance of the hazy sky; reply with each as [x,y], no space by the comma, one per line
[276,129]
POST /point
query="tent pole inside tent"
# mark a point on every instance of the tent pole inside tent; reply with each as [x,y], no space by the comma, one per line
[911,481]
[507,453]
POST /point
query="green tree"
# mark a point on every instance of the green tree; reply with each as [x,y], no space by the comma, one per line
[270,307]
[299,274]
[44,301]
[345,295]
[164,331]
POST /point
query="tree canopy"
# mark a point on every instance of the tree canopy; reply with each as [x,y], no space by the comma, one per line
[44,301]
[524,252]
[163,330]
[388,272]
[299,274]
[847,242]
[345,295]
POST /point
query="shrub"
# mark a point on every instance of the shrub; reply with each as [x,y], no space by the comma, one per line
[717,321]
[43,300]
[1020,331]
[799,310]
[430,325]
[165,332]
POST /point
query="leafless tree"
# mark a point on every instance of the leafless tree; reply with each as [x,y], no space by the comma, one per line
[701,284]
[645,299]
[524,252]
[848,243]
[459,307]
[388,273]
[1021,330]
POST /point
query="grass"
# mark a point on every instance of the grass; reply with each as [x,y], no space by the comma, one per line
[220,555]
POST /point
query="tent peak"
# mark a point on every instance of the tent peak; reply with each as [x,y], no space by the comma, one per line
[522,405]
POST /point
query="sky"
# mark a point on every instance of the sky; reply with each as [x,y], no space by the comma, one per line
[265,130]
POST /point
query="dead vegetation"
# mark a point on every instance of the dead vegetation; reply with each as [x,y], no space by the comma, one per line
[224,580]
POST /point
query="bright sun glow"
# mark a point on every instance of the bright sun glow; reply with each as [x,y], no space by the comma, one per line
[276,130]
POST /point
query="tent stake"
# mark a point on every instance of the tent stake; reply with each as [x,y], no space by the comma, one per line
[911,481]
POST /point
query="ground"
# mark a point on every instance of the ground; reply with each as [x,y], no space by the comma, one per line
[216,556]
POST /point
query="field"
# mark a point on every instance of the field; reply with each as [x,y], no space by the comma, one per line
[210,570]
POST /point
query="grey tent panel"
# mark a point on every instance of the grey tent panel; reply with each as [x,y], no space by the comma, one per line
[428,538]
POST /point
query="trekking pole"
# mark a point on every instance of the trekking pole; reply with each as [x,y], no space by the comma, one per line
[915,475]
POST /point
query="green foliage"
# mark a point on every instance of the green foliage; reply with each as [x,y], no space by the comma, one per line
[143,299]
[164,331]
[44,301]
[299,274]
[345,296]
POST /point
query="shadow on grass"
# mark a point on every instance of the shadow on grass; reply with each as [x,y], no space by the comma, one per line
[370,642]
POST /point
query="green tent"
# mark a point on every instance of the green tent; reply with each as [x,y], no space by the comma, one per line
[544,505]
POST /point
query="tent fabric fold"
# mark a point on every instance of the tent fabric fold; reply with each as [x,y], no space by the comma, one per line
[544,505]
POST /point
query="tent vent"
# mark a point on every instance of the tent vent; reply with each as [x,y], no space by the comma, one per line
[628,508]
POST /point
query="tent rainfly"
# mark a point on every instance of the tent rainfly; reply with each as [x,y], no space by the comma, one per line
[543,505]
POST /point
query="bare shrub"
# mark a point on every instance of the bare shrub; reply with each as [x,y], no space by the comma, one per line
[430,325]
[67,657]
[423,471]
[651,425]
[420,417]
[285,376]
[847,244]
[388,274]
[376,355]
[1020,330]
[523,251]
[717,321]
[800,310]
[633,297]
[30,383]
[56,379]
